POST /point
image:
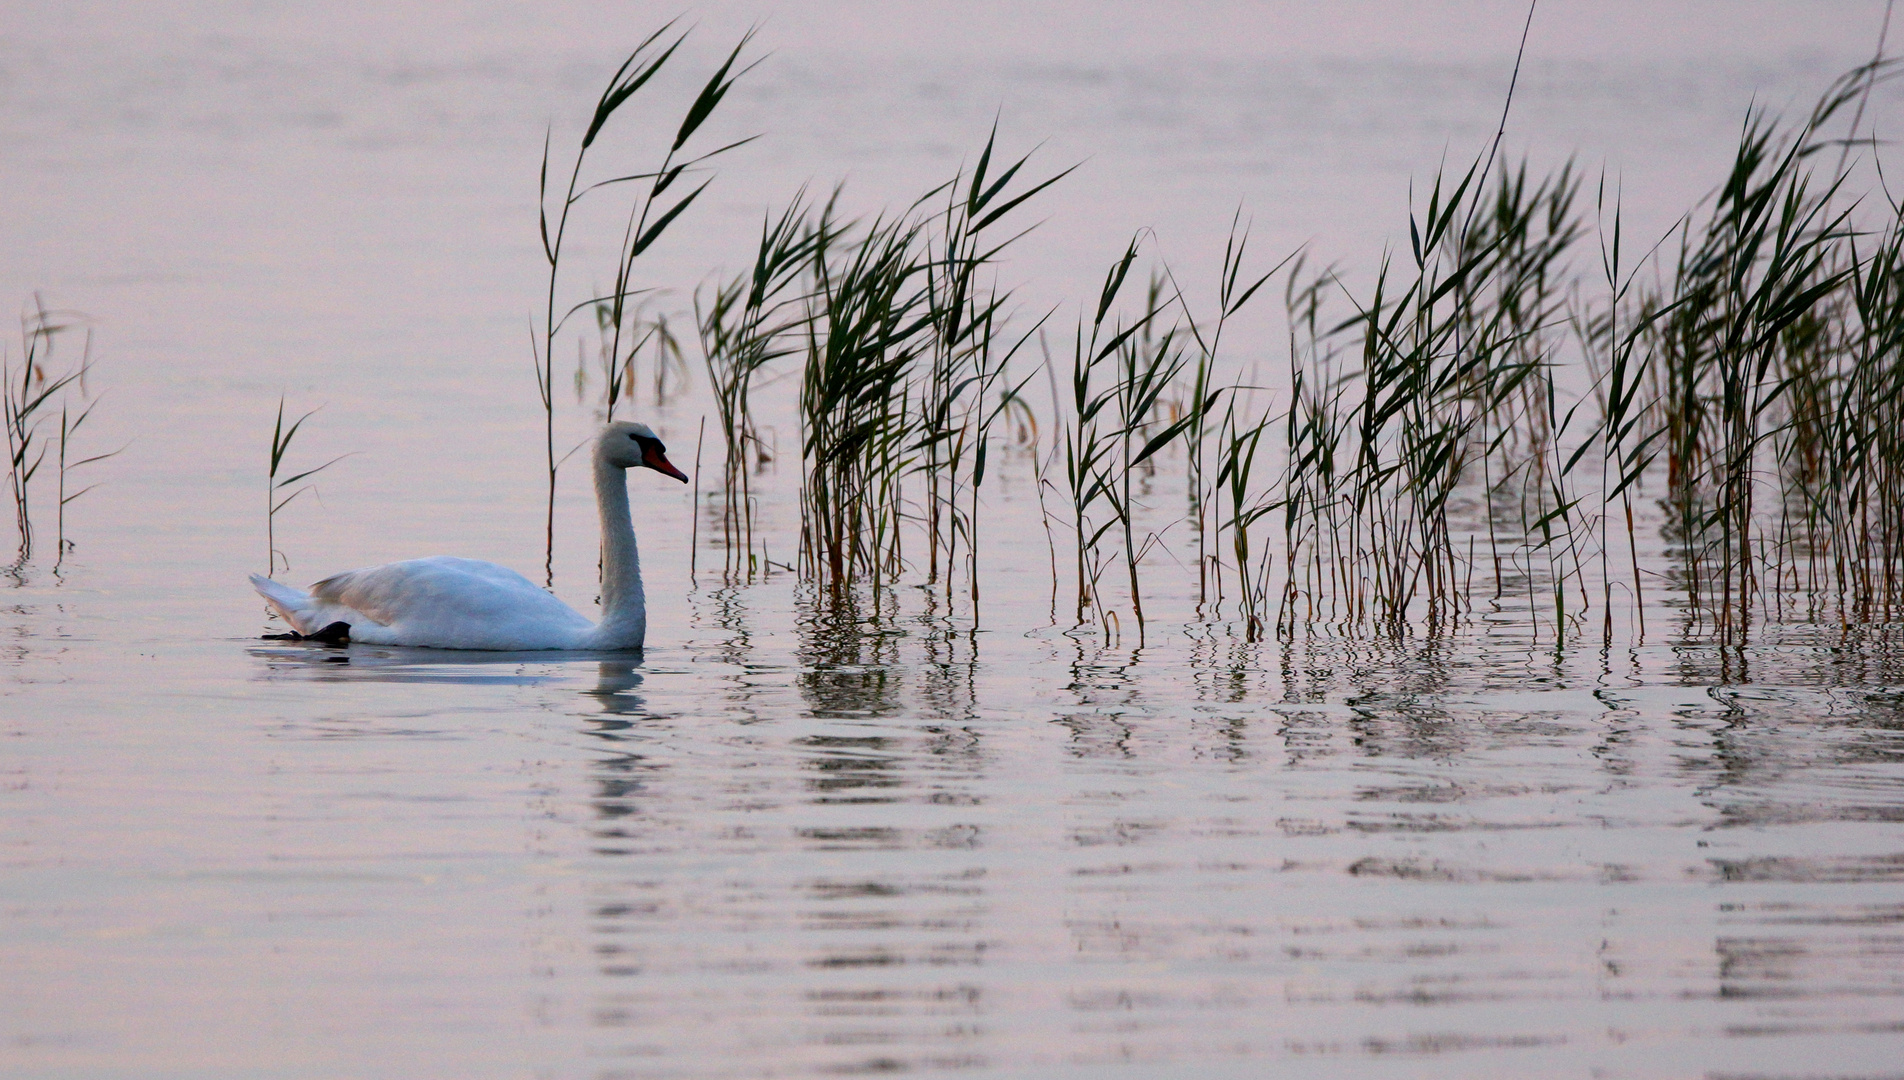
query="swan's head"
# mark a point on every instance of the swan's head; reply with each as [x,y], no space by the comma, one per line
[633,446]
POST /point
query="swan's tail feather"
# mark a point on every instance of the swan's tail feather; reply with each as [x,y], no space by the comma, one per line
[296,607]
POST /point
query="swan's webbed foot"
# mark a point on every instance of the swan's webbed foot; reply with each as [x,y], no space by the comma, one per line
[337,633]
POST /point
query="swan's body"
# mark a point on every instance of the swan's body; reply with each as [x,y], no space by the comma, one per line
[449,603]
[445,602]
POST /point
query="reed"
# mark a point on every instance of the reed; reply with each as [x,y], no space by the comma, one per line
[962,392]
[858,424]
[1314,434]
[69,463]
[668,367]
[275,496]
[745,324]
[1609,341]
[1477,424]
[1761,363]
[1090,443]
[1234,292]
[649,214]
[962,387]
[28,395]
[1147,366]
[1860,504]
[1239,440]
[618,365]
[989,380]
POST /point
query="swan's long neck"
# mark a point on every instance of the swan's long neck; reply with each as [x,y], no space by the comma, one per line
[624,607]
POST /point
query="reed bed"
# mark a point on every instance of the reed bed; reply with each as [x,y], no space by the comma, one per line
[1441,378]
[905,370]
[1775,352]
[1760,363]
[1492,426]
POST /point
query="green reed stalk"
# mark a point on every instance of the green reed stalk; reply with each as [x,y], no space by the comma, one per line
[988,370]
[745,324]
[1239,439]
[1233,293]
[27,397]
[1627,452]
[1312,440]
[1146,368]
[856,420]
[274,497]
[1093,450]
[69,427]
[967,313]
[647,218]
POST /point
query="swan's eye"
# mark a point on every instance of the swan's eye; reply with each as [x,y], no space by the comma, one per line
[633,437]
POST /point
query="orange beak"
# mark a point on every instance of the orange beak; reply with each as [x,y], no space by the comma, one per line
[655,459]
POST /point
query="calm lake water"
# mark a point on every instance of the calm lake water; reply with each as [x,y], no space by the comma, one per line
[782,843]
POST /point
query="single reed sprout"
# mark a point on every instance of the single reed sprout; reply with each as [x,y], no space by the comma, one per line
[275,498]
[1146,367]
[1238,441]
[69,427]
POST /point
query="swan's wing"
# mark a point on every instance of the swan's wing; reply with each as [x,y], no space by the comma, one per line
[444,591]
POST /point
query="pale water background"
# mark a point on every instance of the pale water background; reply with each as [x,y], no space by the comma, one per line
[777,847]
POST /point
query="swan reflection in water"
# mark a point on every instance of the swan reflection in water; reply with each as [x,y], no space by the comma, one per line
[617,675]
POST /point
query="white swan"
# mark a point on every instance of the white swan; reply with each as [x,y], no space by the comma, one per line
[448,603]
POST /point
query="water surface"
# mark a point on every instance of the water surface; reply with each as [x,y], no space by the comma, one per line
[786,842]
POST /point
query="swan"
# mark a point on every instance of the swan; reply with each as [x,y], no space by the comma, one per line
[443,602]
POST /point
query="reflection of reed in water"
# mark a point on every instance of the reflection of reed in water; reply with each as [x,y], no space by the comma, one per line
[724,609]
[947,666]
[890,788]
[1104,685]
[826,875]
[849,652]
